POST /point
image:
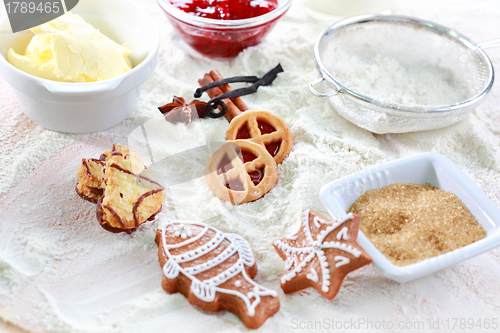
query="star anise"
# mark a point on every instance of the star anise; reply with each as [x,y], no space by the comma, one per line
[181,112]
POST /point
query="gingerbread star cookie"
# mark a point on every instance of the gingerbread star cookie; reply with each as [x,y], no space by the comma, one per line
[214,270]
[321,254]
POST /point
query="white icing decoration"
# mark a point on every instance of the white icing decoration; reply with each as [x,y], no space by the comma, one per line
[343,234]
[171,270]
[313,276]
[202,250]
[206,290]
[317,222]
[202,290]
[244,249]
[288,264]
[223,256]
[189,241]
[182,231]
[298,268]
[315,249]
[341,261]
[343,247]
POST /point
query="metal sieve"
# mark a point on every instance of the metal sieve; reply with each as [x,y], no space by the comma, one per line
[393,74]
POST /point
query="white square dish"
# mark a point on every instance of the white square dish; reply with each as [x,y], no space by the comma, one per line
[435,169]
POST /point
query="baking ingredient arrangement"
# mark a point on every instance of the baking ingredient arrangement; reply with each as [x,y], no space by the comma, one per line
[172,223]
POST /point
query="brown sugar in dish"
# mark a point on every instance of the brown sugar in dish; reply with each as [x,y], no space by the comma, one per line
[409,223]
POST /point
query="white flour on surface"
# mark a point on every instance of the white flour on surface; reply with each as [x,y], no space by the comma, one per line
[61,272]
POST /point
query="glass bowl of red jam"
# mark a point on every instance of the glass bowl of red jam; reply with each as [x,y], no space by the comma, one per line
[220,29]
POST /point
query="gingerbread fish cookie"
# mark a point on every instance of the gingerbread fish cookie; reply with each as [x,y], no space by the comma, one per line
[321,254]
[214,270]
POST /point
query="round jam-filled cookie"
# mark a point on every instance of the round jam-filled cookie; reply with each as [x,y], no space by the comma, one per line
[265,129]
[214,270]
[321,254]
[241,171]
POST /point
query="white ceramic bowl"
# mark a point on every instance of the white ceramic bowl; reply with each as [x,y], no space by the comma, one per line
[437,170]
[93,106]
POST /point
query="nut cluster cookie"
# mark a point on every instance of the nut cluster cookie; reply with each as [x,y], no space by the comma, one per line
[321,254]
[125,198]
[90,173]
[214,270]
[90,185]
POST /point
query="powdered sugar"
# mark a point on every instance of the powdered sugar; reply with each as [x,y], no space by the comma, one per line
[387,80]
[428,70]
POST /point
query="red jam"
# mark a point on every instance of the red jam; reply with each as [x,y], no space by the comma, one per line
[265,128]
[224,165]
[226,9]
[247,156]
[218,42]
[243,133]
[257,176]
[273,148]
[235,185]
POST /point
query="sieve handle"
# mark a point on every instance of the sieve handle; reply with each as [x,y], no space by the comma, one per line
[317,93]
[489,43]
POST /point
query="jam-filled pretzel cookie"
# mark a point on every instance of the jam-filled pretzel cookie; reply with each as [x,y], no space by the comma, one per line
[321,254]
[214,270]
[241,171]
[261,127]
[265,129]
[129,199]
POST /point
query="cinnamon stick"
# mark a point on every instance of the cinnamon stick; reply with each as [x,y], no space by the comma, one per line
[235,106]
[214,92]
[226,88]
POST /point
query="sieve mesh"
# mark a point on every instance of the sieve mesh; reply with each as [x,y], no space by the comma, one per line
[401,75]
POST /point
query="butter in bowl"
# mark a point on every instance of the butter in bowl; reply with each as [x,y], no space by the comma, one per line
[68,49]
[81,72]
